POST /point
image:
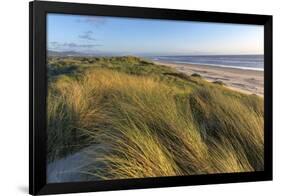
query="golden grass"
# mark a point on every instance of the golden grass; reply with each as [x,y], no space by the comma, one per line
[150,128]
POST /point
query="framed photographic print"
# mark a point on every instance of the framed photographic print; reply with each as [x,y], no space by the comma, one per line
[130,97]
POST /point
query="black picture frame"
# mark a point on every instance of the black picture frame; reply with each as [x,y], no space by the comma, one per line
[38,92]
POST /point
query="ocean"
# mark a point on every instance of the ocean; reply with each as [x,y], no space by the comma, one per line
[250,62]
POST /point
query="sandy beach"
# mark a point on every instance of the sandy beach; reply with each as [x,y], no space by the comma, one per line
[246,81]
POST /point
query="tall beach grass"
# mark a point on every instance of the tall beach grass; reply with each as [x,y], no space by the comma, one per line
[151,125]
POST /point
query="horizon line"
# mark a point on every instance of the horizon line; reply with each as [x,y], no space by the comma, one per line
[151,55]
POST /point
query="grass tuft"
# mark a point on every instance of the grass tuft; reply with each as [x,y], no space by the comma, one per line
[219,82]
[196,75]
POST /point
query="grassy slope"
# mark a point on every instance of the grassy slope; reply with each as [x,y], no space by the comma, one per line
[151,120]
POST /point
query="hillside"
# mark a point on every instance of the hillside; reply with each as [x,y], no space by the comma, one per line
[150,120]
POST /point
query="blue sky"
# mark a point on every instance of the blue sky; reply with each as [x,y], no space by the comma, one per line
[130,36]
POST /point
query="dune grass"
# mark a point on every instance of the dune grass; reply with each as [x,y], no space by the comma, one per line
[150,120]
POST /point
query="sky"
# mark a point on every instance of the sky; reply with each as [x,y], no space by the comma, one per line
[150,37]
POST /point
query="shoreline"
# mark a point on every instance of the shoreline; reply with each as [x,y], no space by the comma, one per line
[243,80]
